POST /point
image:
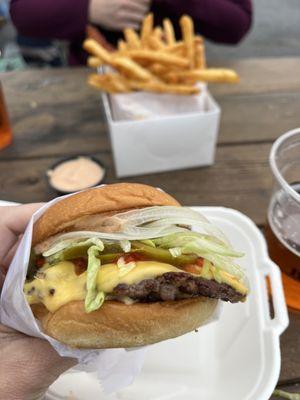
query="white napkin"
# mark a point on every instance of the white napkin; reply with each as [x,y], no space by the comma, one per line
[116,368]
[144,105]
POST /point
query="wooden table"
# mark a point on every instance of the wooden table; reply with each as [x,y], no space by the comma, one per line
[54,114]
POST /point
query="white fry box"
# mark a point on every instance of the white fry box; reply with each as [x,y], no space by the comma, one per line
[236,357]
[165,142]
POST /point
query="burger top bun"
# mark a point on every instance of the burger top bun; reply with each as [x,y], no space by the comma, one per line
[63,215]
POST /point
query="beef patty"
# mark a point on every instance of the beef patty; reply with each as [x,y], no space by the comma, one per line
[175,286]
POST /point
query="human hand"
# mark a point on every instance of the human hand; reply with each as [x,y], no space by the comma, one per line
[94,33]
[117,15]
[28,365]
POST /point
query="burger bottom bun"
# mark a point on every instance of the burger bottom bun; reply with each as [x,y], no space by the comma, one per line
[116,324]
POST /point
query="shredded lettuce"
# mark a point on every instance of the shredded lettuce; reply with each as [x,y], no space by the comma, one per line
[162,233]
[220,254]
[93,299]
[201,243]
[286,395]
[219,261]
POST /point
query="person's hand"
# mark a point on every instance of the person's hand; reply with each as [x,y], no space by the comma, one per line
[28,365]
[117,15]
[94,33]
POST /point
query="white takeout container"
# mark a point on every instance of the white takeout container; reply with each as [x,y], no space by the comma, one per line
[235,358]
[163,143]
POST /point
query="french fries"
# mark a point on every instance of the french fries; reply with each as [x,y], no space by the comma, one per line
[132,39]
[147,28]
[158,57]
[161,87]
[204,75]
[155,43]
[131,68]
[94,48]
[122,46]
[155,61]
[200,61]
[94,62]
[158,69]
[110,82]
[187,28]
[158,32]
[169,32]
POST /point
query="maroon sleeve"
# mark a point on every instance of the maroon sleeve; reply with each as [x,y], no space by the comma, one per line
[225,21]
[58,19]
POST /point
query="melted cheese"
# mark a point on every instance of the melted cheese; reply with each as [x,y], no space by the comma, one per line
[233,282]
[109,274]
[68,286]
[59,284]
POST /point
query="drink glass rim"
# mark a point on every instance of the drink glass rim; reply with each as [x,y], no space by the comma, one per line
[272,160]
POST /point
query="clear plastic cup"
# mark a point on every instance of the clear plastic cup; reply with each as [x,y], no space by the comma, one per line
[283,225]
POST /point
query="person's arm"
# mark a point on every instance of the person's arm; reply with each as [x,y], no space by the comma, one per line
[28,365]
[57,19]
[224,21]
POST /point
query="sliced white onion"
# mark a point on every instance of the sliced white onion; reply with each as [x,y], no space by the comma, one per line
[125,245]
[160,216]
[175,251]
[134,234]
[123,267]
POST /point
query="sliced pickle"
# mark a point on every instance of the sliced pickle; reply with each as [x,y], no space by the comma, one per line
[162,255]
[110,257]
[112,252]
[68,254]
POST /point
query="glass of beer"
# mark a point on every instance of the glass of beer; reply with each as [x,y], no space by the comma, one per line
[5,129]
[283,225]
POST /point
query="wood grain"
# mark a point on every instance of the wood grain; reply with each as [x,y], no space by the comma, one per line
[261,75]
[257,118]
[55,114]
[56,105]
[240,179]
[290,350]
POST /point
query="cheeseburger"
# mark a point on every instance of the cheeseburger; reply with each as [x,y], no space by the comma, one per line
[125,265]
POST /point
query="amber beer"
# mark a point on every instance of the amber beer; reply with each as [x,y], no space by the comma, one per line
[288,260]
[5,129]
[282,233]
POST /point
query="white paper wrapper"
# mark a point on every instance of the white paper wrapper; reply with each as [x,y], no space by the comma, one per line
[144,105]
[116,368]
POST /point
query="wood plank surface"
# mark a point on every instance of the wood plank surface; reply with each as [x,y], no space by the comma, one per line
[257,118]
[55,114]
[261,75]
[48,105]
[240,179]
[290,351]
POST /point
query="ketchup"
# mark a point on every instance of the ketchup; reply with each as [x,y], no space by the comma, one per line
[80,265]
[39,262]
[133,257]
